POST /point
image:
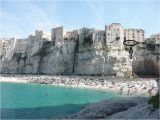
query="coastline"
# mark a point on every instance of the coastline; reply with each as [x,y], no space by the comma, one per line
[146,86]
[14,80]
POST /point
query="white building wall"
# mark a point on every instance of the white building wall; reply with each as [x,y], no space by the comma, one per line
[134,34]
[70,35]
[99,36]
[114,35]
[20,45]
[3,46]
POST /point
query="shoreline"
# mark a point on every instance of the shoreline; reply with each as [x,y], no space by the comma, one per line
[118,85]
[12,80]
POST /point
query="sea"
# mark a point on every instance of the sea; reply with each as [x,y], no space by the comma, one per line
[40,101]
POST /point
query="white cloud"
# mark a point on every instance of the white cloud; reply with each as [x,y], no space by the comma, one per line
[98,9]
[29,16]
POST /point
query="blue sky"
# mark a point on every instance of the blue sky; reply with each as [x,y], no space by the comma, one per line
[19,18]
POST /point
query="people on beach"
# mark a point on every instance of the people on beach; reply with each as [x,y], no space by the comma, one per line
[120,86]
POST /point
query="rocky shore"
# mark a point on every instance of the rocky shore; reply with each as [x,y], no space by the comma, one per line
[119,108]
[136,86]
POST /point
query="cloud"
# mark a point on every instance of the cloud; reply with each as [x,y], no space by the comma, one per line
[98,9]
[26,16]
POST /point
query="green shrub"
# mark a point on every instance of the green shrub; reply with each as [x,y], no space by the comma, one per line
[126,48]
[150,46]
[154,100]
[88,40]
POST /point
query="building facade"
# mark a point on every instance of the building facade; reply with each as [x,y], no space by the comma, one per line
[134,34]
[42,36]
[35,41]
[71,35]
[114,35]
[3,47]
[20,45]
[57,36]
[99,36]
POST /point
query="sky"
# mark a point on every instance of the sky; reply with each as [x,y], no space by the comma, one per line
[20,18]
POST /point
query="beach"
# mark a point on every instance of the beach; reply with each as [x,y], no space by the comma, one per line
[136,86]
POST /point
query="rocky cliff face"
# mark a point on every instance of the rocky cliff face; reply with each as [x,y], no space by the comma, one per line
[145,62]
[82,59]
[99,60]
[47,60]
[60,60]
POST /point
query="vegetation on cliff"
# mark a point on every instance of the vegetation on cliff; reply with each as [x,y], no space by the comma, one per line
[150,46]
[43,52]
[154,101]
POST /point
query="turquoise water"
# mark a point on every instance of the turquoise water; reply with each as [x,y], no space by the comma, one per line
[20,100]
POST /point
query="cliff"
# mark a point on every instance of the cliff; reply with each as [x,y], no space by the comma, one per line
[82,58]
[145,61]
[100,60]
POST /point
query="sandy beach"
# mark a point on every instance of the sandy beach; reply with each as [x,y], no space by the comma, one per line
[120,86]
[12,79]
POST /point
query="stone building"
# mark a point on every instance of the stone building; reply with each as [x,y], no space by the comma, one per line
[30,45]
[36,41]
[114,35]
[20,45]
[41,36]
[134,34]
[3,47]
[99,36]
[57,36]
[71,35]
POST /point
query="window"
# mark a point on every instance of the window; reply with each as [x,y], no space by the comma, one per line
[108,34]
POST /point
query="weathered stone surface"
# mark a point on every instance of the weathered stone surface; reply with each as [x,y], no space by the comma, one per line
[97,60]
[118,108]
[145,62]
[83,59]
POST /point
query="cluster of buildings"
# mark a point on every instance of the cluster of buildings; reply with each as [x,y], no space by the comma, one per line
[113,35]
